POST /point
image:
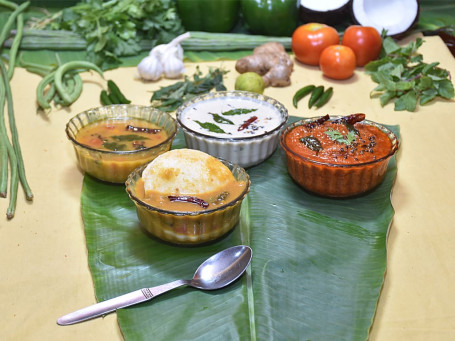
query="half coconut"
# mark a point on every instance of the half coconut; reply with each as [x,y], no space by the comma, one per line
[328,12]
[397,17]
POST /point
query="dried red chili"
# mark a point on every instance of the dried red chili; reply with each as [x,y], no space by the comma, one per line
[190,199]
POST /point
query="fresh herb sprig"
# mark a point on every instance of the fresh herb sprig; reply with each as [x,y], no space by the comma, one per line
[402,76]
[337,136]
[113,29]
[171,97]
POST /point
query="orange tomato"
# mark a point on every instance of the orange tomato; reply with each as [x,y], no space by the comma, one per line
[337,62]
[365,41]
[309,40]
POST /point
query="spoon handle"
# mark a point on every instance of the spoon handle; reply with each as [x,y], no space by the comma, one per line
[115,303]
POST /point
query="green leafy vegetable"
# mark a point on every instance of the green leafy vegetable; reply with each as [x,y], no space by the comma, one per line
[402,76]
[219,119]
[211,127]
[339,137]
[171,97]
[113,29]
[238,111]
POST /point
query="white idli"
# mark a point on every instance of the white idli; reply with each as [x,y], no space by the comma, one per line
[185,172]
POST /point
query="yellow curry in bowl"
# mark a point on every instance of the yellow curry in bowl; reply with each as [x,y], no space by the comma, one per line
[110,142]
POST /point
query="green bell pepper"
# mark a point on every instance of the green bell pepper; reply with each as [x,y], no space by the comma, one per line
[271,17]
[208,15]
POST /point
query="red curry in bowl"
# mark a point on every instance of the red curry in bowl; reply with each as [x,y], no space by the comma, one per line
[338,156]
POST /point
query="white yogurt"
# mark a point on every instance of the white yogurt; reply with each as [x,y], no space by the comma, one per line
[267,117]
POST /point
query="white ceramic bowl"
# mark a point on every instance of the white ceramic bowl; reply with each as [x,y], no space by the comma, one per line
[247,147]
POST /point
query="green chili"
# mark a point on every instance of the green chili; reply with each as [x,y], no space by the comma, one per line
[317,92]
[104,98]
[324,97]
[114,89]
[302,93]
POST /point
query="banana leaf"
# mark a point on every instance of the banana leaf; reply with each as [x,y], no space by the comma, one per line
[317,270]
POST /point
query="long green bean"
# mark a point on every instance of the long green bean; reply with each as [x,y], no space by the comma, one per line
[3,148]
[12,17]
[15,137]
[11,154]
[62,69]
[42,99]
[15,46]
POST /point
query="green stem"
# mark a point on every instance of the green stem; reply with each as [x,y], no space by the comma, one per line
[12,17]
[3,147]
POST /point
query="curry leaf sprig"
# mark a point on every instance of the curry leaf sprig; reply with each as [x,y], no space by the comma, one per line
[171,97]
[402,76]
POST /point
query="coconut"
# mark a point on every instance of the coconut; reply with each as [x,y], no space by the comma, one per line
[328,12]
[395,16]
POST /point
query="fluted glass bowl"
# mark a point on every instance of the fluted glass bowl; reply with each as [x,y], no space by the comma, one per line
[337,180]
[115,166]
[188,228]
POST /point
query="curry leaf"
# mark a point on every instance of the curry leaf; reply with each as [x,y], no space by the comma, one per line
[211,127]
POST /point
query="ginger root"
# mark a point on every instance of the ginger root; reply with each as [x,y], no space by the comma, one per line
[271,61]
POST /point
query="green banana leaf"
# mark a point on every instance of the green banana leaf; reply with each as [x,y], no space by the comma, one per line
[317,270]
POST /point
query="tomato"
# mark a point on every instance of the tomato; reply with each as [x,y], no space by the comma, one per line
[365,41]
[309,40]
[337,62]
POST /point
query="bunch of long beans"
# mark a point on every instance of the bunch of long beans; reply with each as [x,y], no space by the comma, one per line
[10,150]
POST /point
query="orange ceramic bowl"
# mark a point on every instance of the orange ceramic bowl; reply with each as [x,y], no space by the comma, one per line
[115,166]
[188,228]
[337,180]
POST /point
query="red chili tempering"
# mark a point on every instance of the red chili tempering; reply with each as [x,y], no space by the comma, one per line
[247,123]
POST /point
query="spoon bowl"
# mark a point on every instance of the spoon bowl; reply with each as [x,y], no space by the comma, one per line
[218,271]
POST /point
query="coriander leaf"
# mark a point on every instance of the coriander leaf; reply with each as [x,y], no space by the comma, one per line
[337,136]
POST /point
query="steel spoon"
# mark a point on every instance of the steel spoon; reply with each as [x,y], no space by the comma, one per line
[216,272]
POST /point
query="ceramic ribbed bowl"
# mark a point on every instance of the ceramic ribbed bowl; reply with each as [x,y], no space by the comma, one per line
[245,151]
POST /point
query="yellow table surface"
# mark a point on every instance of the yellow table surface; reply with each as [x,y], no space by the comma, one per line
[43,257]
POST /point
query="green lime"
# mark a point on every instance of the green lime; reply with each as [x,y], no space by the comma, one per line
[250,81]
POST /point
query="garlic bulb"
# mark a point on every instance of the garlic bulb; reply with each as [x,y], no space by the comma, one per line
[164,59]
[150,68]
[173,67]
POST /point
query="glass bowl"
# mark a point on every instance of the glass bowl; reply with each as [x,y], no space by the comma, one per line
[115,166]
[188,228]
[337,180]
[246,150]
